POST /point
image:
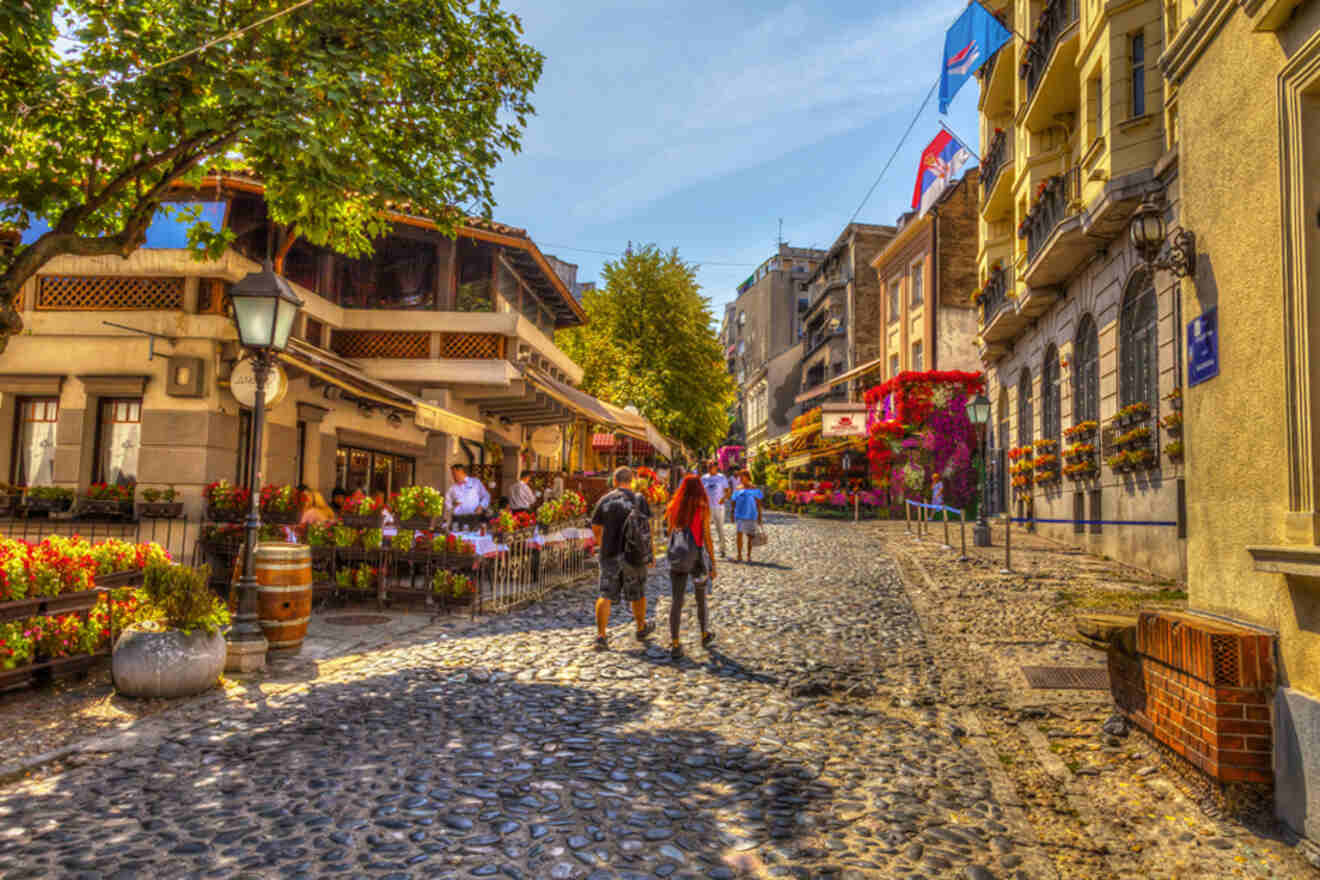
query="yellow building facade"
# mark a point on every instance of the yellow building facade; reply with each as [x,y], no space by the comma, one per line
[1243,107]
[1074,329]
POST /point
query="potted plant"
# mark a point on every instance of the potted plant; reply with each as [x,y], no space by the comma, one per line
[1174,450]
[280,504]
[417,507]
[1173,422]
[160,504]
[179,649]
[48,499]
[108,500]
[363,512]
[226,502]
[1081,430]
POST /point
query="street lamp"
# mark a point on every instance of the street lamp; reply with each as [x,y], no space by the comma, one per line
[978,411]
[1148,235]
[264,309]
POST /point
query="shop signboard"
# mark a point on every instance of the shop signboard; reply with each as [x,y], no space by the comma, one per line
[843,420]
[243,384]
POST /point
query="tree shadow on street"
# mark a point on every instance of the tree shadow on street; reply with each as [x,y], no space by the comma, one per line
[419,771]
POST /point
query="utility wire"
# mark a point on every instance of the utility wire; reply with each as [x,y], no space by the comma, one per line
[897,147]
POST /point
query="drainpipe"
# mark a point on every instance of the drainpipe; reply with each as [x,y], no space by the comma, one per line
[934,287]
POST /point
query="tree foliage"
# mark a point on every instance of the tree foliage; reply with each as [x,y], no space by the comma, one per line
[649,343]
[341,107]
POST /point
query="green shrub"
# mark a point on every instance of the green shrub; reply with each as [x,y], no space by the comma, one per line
[178,598]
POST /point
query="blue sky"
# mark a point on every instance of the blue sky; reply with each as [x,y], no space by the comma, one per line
[698,125]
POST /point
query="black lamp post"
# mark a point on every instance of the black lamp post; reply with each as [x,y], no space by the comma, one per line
[978,412]
[264,309]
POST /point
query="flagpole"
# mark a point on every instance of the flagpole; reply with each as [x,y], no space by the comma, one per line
[960,140]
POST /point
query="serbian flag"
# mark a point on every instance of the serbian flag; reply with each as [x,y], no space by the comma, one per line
[974,37]
[940,163]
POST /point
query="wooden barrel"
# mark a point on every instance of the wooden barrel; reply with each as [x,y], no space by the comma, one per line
[284,594]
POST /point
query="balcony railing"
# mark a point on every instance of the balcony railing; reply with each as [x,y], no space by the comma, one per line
[987,70]
[995,295]
[993,163]
[1051,210]
[415,345]
[1054,19]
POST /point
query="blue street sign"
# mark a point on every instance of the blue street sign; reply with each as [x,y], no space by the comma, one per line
[1203,347]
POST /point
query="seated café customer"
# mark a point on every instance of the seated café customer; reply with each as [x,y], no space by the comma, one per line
[337,497]
[522,496]
[314,509]
[467,500]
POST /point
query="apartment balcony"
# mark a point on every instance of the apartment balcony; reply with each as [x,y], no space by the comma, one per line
[1000,320]
[1056,240]
[996,75]
[815,340]
[1049,68]
[997,178]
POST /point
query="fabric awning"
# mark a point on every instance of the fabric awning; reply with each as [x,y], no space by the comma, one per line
[346,377]
[598,411]
[865,368]
[602,442]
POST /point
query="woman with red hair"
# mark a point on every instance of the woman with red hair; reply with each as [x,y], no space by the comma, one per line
[691,511]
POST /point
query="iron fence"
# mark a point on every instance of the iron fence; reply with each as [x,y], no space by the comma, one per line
[179,535]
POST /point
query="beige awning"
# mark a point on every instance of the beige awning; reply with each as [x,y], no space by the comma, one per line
[595,410]
[855,372]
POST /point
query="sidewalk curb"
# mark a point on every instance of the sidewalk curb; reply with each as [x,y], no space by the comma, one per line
[140,731]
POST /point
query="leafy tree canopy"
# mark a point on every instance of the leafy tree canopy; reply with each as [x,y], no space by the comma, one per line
[341,107]
[649,342]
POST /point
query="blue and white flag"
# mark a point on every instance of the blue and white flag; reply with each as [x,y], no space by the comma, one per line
[973,39]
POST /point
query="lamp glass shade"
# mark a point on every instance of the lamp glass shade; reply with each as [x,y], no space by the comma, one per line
[264,309]
[1147,229]
[255,317]
[978,410]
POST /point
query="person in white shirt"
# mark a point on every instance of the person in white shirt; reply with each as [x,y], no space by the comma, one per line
[522,496]
[717,489]
[467,497]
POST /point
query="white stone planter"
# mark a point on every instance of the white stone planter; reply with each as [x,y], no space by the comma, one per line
[168,663]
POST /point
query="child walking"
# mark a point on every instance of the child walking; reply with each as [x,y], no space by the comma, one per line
[746,512]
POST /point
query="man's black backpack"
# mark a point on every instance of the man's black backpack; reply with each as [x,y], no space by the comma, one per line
[636,543]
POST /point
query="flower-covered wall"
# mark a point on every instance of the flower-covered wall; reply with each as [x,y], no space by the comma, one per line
[918,428]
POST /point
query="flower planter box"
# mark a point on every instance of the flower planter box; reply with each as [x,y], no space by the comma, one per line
[160,509]
[18,677]
[48,505]
[17,609]
[83,600]
[280,517]
[117,579]
[359,521]
[225,514]
[416,524]
[7,504]
[107,508]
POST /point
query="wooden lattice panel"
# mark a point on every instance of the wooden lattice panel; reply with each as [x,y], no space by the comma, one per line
[377,344]
[108,292]
[472,346]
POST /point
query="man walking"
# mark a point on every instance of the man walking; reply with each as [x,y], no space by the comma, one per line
[717,489]
[617,577]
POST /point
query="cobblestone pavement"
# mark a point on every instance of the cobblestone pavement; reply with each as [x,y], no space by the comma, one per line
[822,735]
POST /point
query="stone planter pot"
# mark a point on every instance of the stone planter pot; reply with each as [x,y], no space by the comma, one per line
[168,663]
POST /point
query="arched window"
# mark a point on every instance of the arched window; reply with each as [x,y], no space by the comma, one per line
[1003,418]
[1050,421]
[1138,343]
[1024,409]
[1086,373]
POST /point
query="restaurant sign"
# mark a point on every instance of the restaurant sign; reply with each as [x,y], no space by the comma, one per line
[843,420]
[243,384]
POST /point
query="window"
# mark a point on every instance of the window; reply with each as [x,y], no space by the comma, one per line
[1024,409]
[1050,421]
[1138,355]
[893,365]
[918,276]
[34,451]
[916,356]
[1138,74]
[372,471]
[895,299]
[1096,90]
[1097,506]
[119,439]
[1079,513]
[1086,373]
[476,263]
[244,447]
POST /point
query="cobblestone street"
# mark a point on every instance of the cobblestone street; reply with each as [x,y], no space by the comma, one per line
[817,737]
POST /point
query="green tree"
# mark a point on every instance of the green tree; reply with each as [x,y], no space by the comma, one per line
[341,107]
[650,343]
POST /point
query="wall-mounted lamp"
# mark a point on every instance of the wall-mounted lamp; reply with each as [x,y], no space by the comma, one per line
[1150,237]
[506,421]
[395,420]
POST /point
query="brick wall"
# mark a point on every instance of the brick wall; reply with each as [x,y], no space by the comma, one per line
[1202,688]
[957,243]
[868,299]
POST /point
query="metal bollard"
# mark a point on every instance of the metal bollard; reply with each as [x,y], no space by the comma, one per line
[857,507]
[1008,544]
[907,516]
[962,533]
[944,515]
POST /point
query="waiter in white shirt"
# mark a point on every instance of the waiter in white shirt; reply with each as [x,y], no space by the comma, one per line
[467,499]
[717,489]
[522,496]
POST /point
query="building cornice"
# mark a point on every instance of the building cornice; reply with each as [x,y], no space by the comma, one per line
[1196,34]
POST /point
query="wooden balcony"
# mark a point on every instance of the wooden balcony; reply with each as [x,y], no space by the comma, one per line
[417,345]
[108,293]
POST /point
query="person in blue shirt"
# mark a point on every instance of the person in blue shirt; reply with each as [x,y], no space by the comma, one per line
[746,512]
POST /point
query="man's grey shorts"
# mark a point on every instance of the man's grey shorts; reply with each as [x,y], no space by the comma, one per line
[618,580]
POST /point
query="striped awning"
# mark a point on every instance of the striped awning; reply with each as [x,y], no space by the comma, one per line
[602,442]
